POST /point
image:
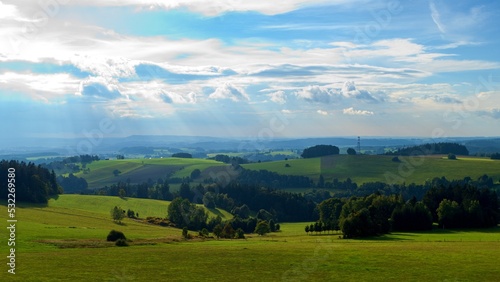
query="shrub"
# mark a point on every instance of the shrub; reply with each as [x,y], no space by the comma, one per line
[115,235]
[121,243]
[240,234]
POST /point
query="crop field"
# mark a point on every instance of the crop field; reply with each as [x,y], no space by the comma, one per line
[66,241]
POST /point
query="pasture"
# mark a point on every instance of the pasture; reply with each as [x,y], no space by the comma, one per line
[370,168]
[66,241]
[141,170]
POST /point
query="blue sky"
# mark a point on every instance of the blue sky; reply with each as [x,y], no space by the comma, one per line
[251,69]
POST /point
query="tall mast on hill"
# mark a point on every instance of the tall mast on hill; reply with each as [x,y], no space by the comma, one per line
[359,145]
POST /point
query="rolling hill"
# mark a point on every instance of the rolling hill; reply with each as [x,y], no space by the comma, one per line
[101,173]
[359,168]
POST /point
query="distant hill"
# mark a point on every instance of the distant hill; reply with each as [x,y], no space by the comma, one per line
[442,148]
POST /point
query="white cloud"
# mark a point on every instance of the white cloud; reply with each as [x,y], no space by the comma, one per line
[8,11]
[316,93]
[211,8]
[352,111]
[323,113]
[230,92]
[44,87]
[176,98]
[278,97]
[349,89]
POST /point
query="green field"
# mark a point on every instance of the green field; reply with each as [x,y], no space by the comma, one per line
[140,170]
[65,241]
[370,168]
[360,168]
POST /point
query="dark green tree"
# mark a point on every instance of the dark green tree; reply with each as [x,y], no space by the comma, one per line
[262,228]
[218,230]
[449,214]
[195,174]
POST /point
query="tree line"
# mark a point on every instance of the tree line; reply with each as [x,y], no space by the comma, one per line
[458,204]
[442,148]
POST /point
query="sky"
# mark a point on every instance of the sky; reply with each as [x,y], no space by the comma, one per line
[253,69]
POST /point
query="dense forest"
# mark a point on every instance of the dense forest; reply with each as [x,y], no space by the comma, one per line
[32,183]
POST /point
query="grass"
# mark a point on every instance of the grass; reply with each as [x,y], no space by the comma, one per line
[66,241]
[360,168]
[370,168]
[141,170]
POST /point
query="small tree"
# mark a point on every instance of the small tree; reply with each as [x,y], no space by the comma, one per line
[240,234]
[452,157]
[204,232]
[272,225]
[262,228]
[185,232]
[122,193]
[117,214]
[195,174]
[116,172]
[307,229]
[217,230]
[130,213]
[227,231]
[351,151]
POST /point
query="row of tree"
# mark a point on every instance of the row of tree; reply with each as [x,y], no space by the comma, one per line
[442,148]
[457,205]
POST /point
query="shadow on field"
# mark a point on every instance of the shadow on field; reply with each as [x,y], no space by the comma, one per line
[216,212]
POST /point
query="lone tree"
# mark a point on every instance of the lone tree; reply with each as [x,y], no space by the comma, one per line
[117,214]
[185,232]
[351,151]
[262,228]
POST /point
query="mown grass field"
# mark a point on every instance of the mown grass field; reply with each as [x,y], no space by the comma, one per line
[65,241]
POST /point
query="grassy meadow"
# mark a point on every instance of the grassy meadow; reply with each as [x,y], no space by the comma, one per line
[140,170]
[65,241]
[370,168]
